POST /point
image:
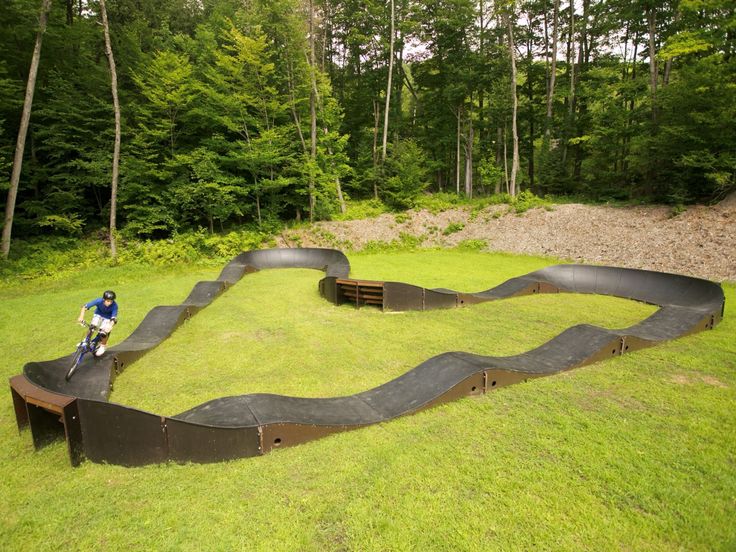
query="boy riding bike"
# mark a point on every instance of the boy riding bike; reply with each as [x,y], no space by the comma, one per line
[105,317]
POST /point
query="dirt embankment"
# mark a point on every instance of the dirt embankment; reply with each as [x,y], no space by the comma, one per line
[700,241]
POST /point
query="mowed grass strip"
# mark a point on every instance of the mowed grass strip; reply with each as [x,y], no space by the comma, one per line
[636,452]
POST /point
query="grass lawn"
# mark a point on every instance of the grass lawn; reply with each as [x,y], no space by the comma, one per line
[638,452]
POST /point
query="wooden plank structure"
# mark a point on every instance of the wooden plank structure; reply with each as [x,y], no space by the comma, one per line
[360,292]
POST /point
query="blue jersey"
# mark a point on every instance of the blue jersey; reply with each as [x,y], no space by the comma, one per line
[103,310]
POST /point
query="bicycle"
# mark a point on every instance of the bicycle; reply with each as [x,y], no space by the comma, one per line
[88,345]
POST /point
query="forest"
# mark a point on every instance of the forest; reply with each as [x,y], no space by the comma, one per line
[152,117]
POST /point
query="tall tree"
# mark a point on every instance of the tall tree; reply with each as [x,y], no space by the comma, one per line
[24,121]
[116,147]
[653,69]
[553,69]
[515,102]
[388,84]
[312,112]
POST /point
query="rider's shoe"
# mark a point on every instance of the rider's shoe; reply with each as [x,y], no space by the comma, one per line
[100,351]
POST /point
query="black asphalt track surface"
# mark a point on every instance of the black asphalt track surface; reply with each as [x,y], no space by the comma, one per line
[249,425]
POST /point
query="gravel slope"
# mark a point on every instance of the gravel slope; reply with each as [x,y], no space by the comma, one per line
[698,242]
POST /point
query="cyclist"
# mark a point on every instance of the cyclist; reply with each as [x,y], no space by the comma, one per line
[105,317]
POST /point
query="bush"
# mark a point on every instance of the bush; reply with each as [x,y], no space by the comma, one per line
[439,202]
[452,228]
[363,209]
[406,242]
[51,257]
[472,245]
[55,257]
[405,174]
[193,247]
[527,200]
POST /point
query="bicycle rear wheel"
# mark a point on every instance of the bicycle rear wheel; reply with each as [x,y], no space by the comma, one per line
[76,360]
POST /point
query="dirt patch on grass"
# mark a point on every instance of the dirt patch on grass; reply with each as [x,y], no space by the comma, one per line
[694,379]
[700,241]
[597,399]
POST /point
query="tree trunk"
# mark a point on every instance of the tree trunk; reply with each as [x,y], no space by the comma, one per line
[292,103]
[553,70]
[388,85]
[398,102]
[116,148]
[670,60]
[514,131]
[652,24]
[571,75]
[376,119]
[469,159]
[505,161]
[23,131]
[500,156]
[630,114]
[338,185]
[530,96]
[481,116]
[579,106]
[545,28]
[312,112]
[457,149]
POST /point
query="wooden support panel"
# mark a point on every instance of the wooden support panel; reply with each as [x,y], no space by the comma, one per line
[275,436]
[189,442]
[497,378]
[19,405]
[73,433]
[361,283]
[46,427]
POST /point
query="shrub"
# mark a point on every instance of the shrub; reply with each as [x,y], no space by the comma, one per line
[406,174]
[51,257]
[472,245]
[406,242]
[527,200]
[363,209]
[439,202]
[452,228]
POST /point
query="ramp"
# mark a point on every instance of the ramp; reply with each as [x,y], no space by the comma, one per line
[250,425]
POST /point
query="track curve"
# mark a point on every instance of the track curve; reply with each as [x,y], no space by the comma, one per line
[250,425]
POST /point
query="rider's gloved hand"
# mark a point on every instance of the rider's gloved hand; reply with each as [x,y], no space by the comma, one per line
[114,321]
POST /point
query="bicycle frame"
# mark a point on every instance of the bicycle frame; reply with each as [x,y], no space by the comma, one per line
[88,345]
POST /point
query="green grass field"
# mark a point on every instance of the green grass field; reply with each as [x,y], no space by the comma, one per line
[634,453]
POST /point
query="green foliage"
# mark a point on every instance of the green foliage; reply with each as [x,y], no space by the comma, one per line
[439,202]
[57,257]
[405,174]
[677,210]
[489,170]
[66,224]
[527,200]
[193,247]
[405,242]
[472,245]
[452,228]
[50,258]
[216,110]
[361,209]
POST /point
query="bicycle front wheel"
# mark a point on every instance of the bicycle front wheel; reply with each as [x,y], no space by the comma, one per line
[76,360]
